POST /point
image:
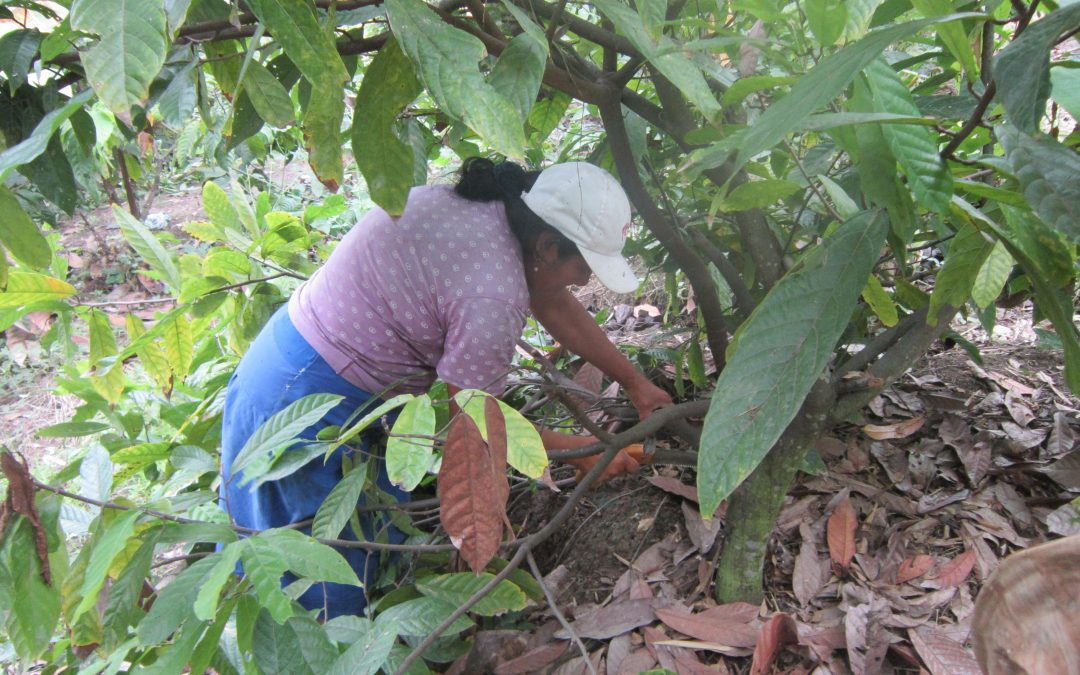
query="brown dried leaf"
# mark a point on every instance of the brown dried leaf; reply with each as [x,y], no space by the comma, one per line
[534,660]
[675,487]
[811,571]
[956,571]
[590,378]
[1065,471]
[1011,385]
[711,628]
[943,655]
[1025,616]
[939,500]
[472,512]
[617,650]
[884,432]
[687,663]
[913,568]
[779,631]
[1018,408]
[702,534]
[20,499]
[976,460]
[955,431]
[867,639]
[840,533]
[1025,438]
[615,619]
[637,662]
[1062,437]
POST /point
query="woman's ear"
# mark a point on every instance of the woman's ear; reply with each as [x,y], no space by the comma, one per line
[547,248]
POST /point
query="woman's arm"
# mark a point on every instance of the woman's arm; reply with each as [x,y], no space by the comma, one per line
[568,322]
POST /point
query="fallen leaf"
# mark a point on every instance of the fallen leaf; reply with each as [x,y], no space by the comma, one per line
[886,432]
[661,652]
[1011,385]
[840,533]
[1062,437]
[954,572]
[913,568]
[1025,438]
[811,571]
[687,663]
[866,638]
[942,655]
[637,662]
[675,487]
[1018,408]
[711,628]
[1064,520]
[939,500]
[1065,471]
[534,660]
[471,511]
[778,632]
[614,619]
[702,534]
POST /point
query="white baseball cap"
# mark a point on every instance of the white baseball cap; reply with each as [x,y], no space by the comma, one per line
[588,205]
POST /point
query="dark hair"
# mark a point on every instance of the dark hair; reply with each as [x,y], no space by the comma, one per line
[482,180]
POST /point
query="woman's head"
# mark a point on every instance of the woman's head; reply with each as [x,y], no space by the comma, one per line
[571,209]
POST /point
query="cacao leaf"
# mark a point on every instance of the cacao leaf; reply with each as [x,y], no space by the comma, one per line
[840,533]
[20,235]
[472,513]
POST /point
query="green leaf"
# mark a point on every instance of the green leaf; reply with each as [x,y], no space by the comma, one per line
[367,655]
[339,505]
[992,276]
[967,252]
[33,606]
[819,86]
[148,247]
[824,121]
[408,455]
[1022,69]
[826,19]
[111,544]
[419,617]
[757,194]
[71,429]
[914,147]
[297,646]
[859,15]
[1049,172]
[37,142]
[308,558]
[267,95]
[518,72]
[695,364]
[386,162]
[322,137]
[1066,89]
[664,54]
[457,588]
[524,449]
[20,235]
[102,339]
[546,116]
[282,428]
[842,201]
[295,26]
[874,294]
[206,601]
[952,35]
[17,51]
[173,603]
[355,429]
[26,287]
[782,349]
[447,60]
[123,608]
[131,50]
[745,86]
[220,209]
[264,563]
[177,339]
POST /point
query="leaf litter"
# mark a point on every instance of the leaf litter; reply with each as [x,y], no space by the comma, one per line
[873,567]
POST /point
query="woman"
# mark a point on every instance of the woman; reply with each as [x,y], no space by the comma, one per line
[441,291]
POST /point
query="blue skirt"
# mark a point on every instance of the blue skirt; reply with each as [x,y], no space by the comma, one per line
[279,368]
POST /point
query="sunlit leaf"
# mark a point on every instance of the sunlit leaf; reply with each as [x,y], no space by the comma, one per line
[880,302]
[457,588]
[130,50]
[409,448]
[24,288]
[967,252]
[282,428]
[992,276]
[148,247]
[20,235]
[339,505]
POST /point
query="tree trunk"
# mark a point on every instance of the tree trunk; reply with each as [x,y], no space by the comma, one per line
[755,506]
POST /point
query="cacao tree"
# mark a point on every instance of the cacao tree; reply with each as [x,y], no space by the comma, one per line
[829,182]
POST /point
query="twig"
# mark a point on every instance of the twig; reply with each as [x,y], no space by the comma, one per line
[129,186]
[558,614]
[972,123]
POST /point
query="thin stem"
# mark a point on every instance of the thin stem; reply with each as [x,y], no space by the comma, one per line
[558,614]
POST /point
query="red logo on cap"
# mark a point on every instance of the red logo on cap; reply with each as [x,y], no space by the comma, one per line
[625,230]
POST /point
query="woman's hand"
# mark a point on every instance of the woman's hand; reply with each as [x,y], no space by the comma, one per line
[647,397]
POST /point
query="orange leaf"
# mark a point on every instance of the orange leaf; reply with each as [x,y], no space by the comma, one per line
[841,534]
[472,503]
[913,568]
[954,572]
[778,632]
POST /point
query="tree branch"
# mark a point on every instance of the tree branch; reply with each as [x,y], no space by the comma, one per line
[691,264]
[743,300]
